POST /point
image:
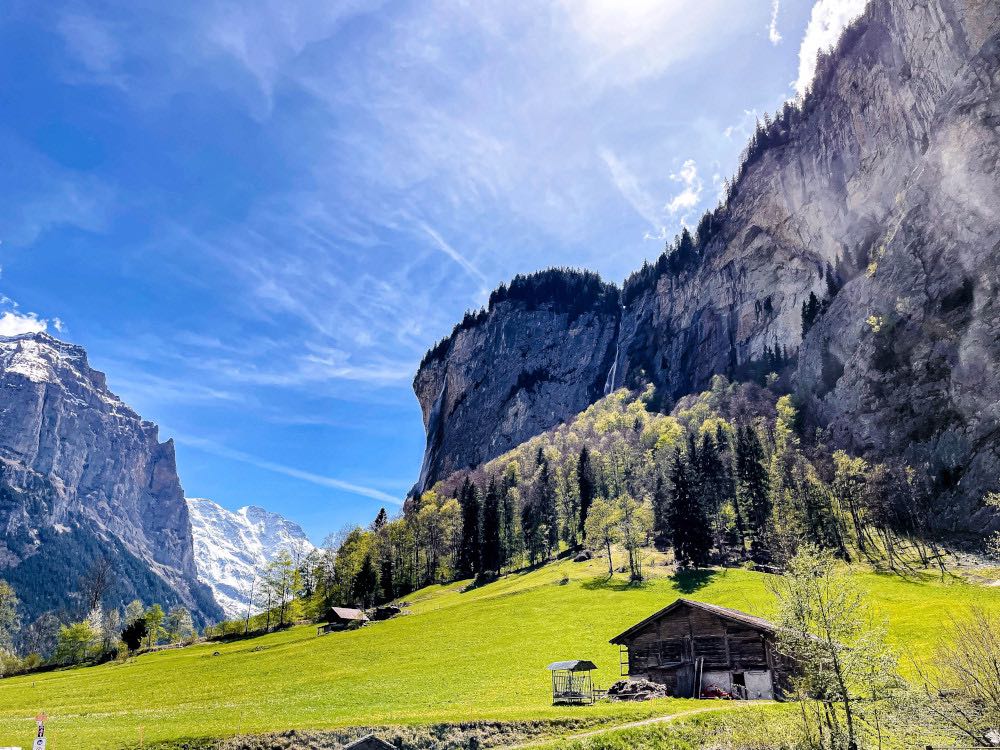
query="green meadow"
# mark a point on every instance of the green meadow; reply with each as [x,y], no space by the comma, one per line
[459,655]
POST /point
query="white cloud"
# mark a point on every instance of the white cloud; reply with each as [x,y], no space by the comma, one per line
[690,195]
[452,253]
[828,20]
[217,449]
[772,28]
[624,42]
[631,190]
[14,323]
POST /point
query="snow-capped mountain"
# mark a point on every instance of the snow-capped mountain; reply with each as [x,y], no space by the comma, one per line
[231,548]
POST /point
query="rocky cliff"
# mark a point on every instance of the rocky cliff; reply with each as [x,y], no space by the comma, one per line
[83,477]
[539,354]
[879,196]
[231,549]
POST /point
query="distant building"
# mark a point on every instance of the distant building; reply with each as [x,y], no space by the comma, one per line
[369,742]
[342,618]
[697,649]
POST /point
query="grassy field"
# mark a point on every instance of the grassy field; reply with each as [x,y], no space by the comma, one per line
[460,656]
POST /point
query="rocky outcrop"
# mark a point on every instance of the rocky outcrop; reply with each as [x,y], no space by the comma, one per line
[82,476]
[906,360]
[232,548]
[536,357]
[880,198]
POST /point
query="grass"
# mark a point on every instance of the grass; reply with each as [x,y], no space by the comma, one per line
[460,656]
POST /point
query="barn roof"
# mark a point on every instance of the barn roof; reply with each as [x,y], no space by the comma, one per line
[369,742]
[757,623]
[573,665]
[346,613]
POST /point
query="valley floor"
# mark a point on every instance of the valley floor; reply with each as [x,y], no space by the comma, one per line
[459,656]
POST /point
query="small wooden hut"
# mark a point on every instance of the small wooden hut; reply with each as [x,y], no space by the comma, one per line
[572,682]
[697,649]
[342,618]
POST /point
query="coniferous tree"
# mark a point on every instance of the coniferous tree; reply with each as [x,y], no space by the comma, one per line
[662,535]
[728,483]
[811,309]
[586,485]
[469,547]
[753,487]
[366,582]
[712,482]
[691,536]
[380,520]
[547,506]
[491,546]
[386,584]
[533,532]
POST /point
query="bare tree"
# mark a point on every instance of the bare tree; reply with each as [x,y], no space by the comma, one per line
[94,584]
[962,688]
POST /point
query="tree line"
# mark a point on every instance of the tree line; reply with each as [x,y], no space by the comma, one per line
[104,633]
[730,476]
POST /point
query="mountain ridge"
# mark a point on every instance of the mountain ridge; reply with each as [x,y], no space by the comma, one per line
[83,476]
[231,548]
[821,200]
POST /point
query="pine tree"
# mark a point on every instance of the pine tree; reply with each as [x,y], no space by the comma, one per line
[753,488]
[729,485]
[532,532]
[380,520]
[712,481]
[491,545]
[469,549]
[811,309]
[691,536]
[366,582]
[587,487]
[547,506]
[386,584]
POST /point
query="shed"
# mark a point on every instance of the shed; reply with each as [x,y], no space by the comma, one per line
[696,649]
[572,681]
[369,742]
[342,618]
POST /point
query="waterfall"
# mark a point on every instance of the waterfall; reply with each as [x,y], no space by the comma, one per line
[609,384]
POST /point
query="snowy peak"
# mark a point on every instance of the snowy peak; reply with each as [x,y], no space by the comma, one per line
[231,547]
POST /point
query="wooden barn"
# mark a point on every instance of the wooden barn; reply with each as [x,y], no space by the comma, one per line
[342,618]
[697,649]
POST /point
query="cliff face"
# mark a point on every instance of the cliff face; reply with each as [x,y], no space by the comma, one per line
[893,163]
[907,358]
[522,369]
[823,198]
[82,477]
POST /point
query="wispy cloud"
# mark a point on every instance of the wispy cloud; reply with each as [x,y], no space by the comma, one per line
[690,194]
[217,449]
[828,20]
[772,27]
[95,44]
[626,182]
[452,253]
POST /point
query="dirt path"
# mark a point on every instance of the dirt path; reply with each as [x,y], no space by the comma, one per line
[628,725]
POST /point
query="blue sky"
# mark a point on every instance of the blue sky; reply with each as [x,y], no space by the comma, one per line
[257,216]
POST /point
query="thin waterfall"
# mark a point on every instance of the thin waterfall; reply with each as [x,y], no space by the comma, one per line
[609,383]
